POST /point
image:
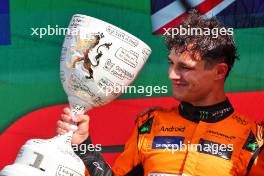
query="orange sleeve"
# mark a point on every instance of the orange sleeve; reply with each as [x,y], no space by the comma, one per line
[129,162]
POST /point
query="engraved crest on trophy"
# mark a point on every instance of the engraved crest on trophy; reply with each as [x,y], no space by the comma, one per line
[82,49]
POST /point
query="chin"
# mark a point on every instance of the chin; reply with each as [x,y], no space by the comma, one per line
[179,97]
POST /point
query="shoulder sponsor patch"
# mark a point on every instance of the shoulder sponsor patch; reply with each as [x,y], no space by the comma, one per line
[167,142]
[212,148]
[251,143]
[146,126]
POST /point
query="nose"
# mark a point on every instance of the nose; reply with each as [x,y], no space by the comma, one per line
[173,73]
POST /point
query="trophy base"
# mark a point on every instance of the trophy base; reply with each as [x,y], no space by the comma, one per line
[50,157]
[21,170]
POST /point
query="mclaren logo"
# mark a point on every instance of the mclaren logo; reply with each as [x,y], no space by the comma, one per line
[216,133]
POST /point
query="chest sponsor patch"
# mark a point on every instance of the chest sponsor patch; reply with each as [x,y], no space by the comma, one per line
[173,129]
[167,142]
[212,148]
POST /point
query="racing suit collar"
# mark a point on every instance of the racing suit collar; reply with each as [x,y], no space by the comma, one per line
[210,114]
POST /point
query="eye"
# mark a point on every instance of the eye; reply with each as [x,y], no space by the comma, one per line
[185,68]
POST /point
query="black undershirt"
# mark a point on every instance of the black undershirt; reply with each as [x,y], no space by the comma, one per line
[210,114]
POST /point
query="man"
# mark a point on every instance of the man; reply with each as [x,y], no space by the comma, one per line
[204,135]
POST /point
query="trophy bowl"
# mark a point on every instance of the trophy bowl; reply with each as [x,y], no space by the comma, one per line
[98,61]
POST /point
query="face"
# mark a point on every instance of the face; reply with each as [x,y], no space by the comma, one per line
[191,81]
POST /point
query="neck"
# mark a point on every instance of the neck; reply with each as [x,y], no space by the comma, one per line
[215,96]
[211,113]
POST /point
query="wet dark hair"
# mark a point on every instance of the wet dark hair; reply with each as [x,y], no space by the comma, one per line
[212,49]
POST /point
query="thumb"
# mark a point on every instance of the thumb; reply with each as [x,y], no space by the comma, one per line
[81,118]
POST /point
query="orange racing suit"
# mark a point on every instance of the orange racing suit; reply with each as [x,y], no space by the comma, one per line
[188,140]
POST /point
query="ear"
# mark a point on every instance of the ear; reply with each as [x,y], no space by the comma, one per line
[220,71]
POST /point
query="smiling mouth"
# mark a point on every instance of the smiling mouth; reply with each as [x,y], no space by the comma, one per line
[179,84]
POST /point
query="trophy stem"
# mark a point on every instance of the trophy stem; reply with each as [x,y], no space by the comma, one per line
[78,106]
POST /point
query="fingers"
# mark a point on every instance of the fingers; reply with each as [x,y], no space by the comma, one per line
[66,118]
[62,127]
[60,131]
[83,126]
[81,119]
[67,115]
[67,111]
